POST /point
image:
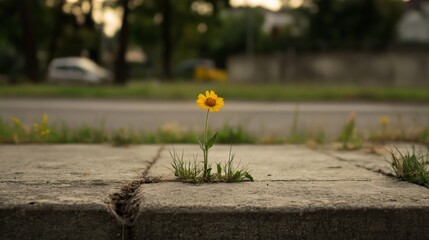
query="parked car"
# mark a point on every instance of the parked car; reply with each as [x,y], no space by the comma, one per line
[77,70]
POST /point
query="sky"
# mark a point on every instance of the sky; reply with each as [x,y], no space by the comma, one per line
[273,5]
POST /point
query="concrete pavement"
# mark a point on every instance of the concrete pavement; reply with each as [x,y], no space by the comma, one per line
[102,192]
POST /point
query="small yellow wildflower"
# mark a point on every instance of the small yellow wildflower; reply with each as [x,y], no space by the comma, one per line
[42,128]
[210,101]
[45,132]
[36,127]
[16,121]
[384,120]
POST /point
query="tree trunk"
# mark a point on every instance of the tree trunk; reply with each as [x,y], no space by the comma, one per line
[166,39]
[94,50]
[120,63]
[31,63]
[56,31]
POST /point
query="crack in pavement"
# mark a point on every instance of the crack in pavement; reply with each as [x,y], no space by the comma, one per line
[380,171]
[123,203]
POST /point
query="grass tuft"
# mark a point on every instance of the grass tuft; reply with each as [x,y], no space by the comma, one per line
[411,167]
[192,171]
[349,137]
[189,171]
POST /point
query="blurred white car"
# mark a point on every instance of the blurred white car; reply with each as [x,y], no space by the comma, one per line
[77,70]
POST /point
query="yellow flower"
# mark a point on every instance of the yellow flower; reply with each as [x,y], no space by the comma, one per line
[44,121]
[384,120]
[16,121]
[44,132]
[210,101]
[36,127]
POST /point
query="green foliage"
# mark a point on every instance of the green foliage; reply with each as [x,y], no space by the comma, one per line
[320,137]
[424,135]
[229,35]
[186,171]
[232,173]
[234,91]
[342,25]
[234,134]
[193,172]
[411,167]
[349,137]
[122,137]
[14,131]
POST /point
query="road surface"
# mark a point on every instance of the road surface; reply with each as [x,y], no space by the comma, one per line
[261,118]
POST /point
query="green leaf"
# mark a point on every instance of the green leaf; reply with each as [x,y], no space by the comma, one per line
[236,175]
[219,169]
[247,175]
[209,172]
[211,141]
[201,145]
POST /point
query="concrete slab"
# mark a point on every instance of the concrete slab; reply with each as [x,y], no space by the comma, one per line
[62,191]
[284,210]
[298,193]
[378,157]
[270,163]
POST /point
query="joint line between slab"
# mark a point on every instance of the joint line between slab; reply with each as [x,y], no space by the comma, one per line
[123,203]
[379,171]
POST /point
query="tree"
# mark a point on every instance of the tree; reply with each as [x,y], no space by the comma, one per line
[59,16]
[168,32]
[354,24]
[166,38]
[120,63]
[31,62]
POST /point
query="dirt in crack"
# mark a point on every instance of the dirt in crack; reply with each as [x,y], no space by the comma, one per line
[124,202]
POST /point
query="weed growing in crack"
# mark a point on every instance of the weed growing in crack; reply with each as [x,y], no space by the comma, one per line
[192,171]
[349,137]
[411,166]
[230,172]
[186,171]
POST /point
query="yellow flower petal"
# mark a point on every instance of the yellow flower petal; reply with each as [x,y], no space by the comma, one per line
[210,101]
[202,97]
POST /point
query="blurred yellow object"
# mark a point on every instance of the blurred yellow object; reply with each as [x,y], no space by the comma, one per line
[208,74]
[384,120]
[16,121]
[42,129]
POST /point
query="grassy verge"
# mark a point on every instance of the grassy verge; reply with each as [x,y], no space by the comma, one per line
[13,131]
[16,132]
[253,92]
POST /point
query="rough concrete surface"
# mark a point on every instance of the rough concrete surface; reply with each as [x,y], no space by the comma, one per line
[64,192]
[298,193]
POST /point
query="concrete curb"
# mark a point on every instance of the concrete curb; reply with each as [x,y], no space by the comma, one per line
[51,192]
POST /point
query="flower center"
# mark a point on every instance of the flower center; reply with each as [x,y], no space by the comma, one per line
[210,102]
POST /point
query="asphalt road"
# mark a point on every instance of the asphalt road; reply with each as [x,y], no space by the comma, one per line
[262,118]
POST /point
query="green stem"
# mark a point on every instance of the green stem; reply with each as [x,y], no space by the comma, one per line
[206,150]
